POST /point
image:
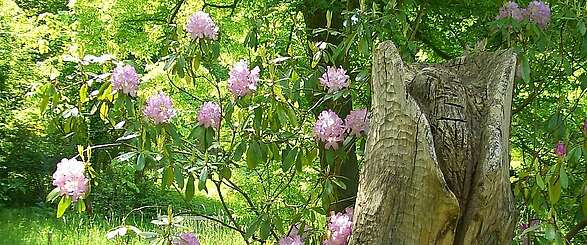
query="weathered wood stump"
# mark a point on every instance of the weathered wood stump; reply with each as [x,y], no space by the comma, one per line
[437,158]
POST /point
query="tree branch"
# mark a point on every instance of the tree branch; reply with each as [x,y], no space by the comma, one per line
[578,227]
[213,5]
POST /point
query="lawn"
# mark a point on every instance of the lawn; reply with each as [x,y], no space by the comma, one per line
[39,226]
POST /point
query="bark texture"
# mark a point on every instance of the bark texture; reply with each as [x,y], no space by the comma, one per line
[437,158]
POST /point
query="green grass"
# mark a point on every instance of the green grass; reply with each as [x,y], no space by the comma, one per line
[37,226]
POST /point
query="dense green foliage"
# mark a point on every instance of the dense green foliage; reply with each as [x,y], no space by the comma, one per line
[262,170]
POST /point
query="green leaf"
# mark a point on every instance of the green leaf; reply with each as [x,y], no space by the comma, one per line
[196,62]
[180,66]
[540,182]
[53,194]
[340,183]
[228,113]
[225,172]
[178,176]
[190,188]
[328,18]
[330,154]
[554,192]
[81,206]
[299,158]
[140,162]
[83,93]
[291,114]
[173,133]
[281,114]
[311,156]
[289,159]
[564,179]
[241,147]
[264,230]
[104,111]
[251,229]
[202,179]
[130,109]
[44,103]
[167,176]
[254,155]
[581,28]
[126,156]
[63,205]
[584,205]
[197,132]
[525,68]
[550,233]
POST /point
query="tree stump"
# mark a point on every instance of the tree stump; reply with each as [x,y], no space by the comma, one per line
[437,158]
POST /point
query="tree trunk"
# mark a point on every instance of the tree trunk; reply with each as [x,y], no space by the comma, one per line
[437,158]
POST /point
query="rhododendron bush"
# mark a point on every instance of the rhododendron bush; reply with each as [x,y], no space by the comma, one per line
[269,104]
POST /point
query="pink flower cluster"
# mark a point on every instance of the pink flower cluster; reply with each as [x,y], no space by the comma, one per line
[291,239]
[200,25]
[560,149]
[209,115]
[356,122]
[186,238]
[334,79]
[159,108]
[125,80]
[340,227]
[511,9]
[536,12]
[70,179]
[330,128]
[539,13]
[243,81]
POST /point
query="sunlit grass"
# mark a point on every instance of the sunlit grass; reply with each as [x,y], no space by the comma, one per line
[39,226]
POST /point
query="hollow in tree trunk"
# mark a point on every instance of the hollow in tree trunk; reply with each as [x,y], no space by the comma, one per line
[437,158]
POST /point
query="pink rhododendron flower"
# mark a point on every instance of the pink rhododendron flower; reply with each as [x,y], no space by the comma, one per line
[243,81]
[340,227]
[159,108]
[291,240]
[200,25]
[186,238]
[511,9]
[69,178]
[356,122]
[329,128]
[209,115]
[125,80]
[334,79]
[539,13]
[560,149]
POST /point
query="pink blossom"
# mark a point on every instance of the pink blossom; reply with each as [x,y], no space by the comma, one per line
[209,115]
[511,9]
[291,240]
[334,79]
[186,238]
[329,128]
[539,13]
[69,178]
[200,25]
[125,80]
[159,108]
[243,81]
[560,149]
[356,122]
[339,227]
